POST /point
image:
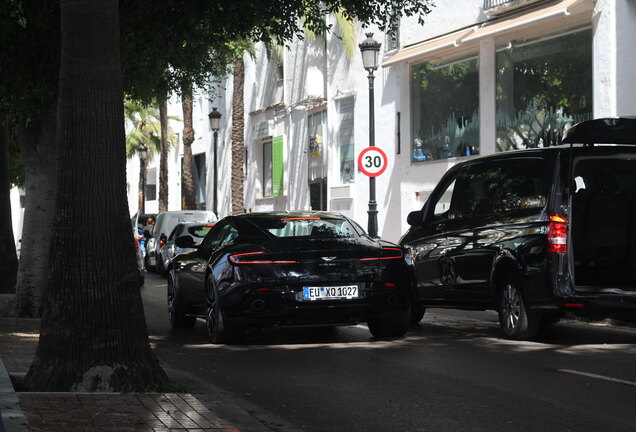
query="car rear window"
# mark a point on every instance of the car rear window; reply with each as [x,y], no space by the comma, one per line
[199,231]
[306,227]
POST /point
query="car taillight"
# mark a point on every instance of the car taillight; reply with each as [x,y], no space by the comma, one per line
[136,245]
[252,258]
[162,240]
[387,253]
[558,234]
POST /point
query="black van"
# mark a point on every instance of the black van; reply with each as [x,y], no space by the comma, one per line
[534,233]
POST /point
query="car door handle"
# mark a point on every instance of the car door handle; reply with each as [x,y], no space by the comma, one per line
[440,227]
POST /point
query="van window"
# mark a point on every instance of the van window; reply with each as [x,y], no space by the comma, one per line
[500,186]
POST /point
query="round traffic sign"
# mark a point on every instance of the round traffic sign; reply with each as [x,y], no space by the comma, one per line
[372,161]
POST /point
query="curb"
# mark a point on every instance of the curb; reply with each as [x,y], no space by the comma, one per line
[11,416]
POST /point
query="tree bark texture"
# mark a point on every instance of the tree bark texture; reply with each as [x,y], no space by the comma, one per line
[163,162]
[189,203]
[37,145]
[93,335]
[238,137]
[9,261]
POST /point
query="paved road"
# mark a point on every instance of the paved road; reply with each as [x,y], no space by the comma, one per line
[451,373]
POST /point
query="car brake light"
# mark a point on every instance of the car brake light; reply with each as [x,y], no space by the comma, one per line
[388,253]
[162,239]
[558,234]
[248,258]
[136,245]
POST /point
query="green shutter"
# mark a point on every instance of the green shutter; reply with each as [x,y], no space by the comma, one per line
[277,166]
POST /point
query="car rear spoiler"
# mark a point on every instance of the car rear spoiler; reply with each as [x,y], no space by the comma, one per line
[620,130]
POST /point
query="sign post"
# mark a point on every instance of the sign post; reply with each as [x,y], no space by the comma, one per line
[372,162]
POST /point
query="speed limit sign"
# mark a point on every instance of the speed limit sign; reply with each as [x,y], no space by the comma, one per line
[372,161]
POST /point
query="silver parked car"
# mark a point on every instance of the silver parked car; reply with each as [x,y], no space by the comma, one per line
[164,224]
[195,230]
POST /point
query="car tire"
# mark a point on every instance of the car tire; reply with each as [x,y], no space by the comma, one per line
[392,326]
[177,306]
[146,262]
[417,314]
[219,331]
[516,321]
[160,268]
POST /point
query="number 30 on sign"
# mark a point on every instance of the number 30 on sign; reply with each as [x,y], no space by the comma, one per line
[372,161]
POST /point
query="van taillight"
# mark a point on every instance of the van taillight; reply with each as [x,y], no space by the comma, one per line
[558,234]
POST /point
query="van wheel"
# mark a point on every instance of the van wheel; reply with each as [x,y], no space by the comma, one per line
[177,306]
[393,326]
[515,320]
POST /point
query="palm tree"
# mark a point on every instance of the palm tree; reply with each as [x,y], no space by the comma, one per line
[147,130]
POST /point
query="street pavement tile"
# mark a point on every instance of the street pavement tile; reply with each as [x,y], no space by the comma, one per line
[135,412]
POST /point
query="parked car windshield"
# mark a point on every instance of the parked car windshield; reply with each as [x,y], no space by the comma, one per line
[308,227]
[199,231]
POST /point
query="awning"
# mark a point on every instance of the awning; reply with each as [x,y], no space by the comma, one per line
[533,23]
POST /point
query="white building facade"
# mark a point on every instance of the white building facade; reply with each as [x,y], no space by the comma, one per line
[481,76]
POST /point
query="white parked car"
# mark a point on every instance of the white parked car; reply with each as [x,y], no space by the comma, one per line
[164,224]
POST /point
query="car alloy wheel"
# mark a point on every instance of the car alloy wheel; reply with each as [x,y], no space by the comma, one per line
[177,306]
[515,319]
[510,307]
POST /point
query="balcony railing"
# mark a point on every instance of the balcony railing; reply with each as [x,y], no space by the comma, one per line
[500,5]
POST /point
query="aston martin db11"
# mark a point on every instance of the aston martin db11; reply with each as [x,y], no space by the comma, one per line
[289,269]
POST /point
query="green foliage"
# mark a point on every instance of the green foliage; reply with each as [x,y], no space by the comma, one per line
[347,32]
[146,129]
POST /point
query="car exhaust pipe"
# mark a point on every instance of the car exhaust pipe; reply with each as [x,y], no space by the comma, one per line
[258,305]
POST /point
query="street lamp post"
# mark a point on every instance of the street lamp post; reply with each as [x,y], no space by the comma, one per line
[143,155]
[370,48]
[215,124]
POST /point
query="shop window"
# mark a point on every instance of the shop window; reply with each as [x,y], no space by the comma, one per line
[445,110]
[543,87]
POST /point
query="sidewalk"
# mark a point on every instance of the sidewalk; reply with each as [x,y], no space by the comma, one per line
[53,412]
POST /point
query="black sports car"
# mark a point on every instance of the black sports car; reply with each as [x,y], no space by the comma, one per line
[296,269]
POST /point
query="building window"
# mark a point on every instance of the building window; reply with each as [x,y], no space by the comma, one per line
[346,140]
[151,184]
[273,167]
[198,178]
[316,126]
[267,169]
[542,87]
[445,110]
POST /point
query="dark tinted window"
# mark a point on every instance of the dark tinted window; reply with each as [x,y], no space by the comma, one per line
[199,231]
[306,227]
[500,186]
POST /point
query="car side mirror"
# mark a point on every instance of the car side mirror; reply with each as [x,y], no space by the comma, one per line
[184,242]
[415,218]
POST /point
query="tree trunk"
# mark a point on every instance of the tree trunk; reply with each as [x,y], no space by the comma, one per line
[93,335]
[9,261]
[163,163]
[37,145]
[188,139]
[238,137]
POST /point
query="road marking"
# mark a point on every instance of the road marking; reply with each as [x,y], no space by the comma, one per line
[602,377]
